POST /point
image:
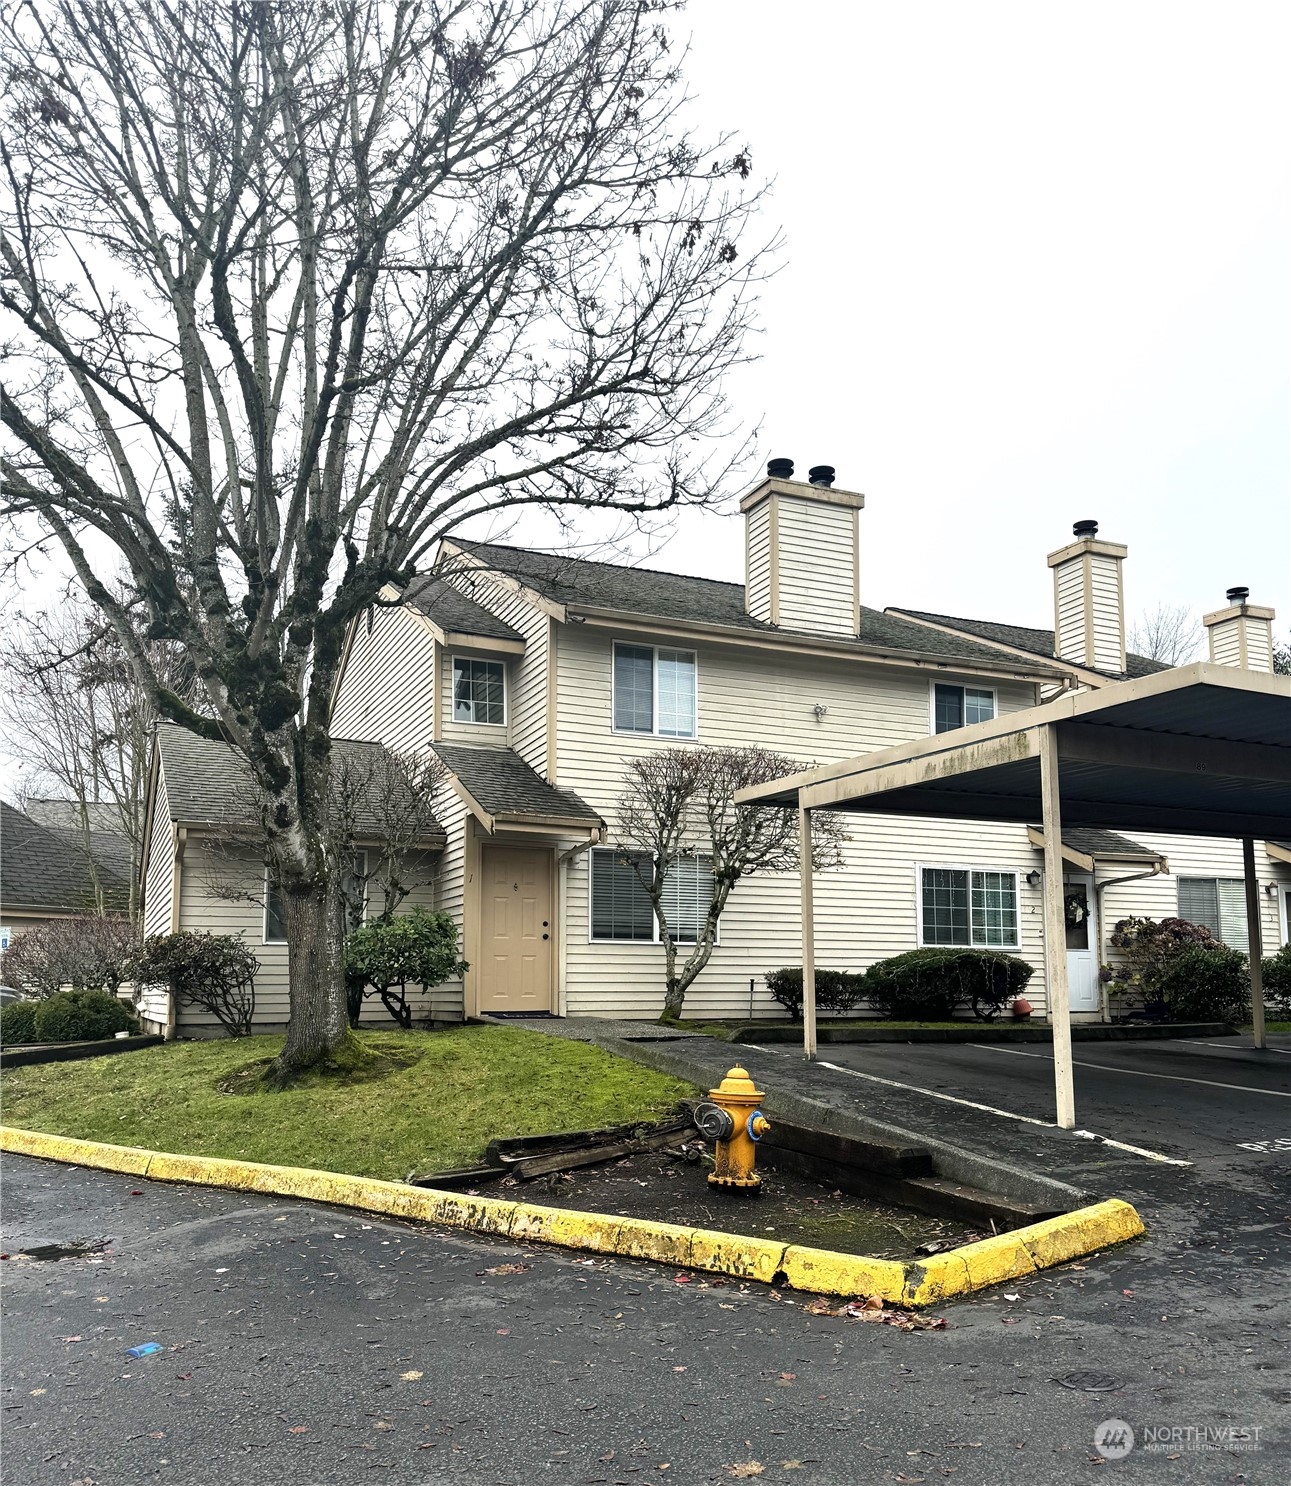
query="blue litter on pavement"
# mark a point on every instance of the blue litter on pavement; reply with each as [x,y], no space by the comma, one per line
[144,1349]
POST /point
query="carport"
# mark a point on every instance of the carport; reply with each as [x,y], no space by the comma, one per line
[1202,750]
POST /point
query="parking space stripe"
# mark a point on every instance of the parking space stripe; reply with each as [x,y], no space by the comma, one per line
[1239,1047]
[1007,1114]
[1174,1078]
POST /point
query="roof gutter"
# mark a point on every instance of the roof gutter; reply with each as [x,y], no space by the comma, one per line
[885,655]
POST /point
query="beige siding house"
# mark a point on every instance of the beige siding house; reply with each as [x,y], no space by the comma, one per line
[204,870]
[545,676]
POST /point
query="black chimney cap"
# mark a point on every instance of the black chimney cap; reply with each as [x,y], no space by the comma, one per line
[821,474]
[780,469]
[1083,529]
[1238,595]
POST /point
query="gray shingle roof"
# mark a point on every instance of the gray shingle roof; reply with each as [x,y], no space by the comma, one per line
[42,867]
[208,783]
[451,609]
[1036,641]
[505,786]
[1096,843]
[607,585]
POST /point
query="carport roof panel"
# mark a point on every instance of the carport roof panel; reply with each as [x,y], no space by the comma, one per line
[1201,749]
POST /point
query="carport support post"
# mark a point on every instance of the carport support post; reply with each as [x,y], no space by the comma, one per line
[1055,930]
[808,933]
[1254,940]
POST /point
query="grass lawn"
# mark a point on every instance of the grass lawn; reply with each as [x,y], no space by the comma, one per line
[434,1102]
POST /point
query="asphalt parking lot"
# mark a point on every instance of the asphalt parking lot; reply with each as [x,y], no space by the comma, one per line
[1215,1103]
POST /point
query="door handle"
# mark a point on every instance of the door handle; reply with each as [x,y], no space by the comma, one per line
[546,936]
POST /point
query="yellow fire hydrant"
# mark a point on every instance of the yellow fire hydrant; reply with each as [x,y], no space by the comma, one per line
[734,1121]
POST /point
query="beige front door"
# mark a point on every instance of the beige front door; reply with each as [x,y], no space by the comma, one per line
[516,929]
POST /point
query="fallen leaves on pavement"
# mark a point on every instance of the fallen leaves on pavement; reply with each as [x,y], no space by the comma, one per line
[742,1470]
[873,1309]
[506,1269]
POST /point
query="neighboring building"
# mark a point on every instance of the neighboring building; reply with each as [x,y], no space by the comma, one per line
[48,871]
[538,678]
[204,869]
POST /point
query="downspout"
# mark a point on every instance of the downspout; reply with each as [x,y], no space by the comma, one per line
[1160,866]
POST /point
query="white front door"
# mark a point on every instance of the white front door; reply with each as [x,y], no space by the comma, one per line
[1082,943]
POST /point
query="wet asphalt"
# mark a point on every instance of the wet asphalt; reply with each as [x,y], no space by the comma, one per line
[301,1344]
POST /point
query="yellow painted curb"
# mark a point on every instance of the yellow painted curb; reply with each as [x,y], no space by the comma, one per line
[1008,1256]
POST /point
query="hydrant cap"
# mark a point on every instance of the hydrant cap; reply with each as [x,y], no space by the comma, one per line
[737,1083]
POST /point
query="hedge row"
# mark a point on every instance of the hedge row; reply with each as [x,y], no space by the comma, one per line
[69,1016]
[922,985]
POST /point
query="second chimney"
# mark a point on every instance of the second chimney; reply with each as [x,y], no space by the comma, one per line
[1089,601]
[1241,634]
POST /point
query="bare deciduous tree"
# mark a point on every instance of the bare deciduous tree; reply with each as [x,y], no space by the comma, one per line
[680,803]
[78,721]
[297,289]
[1169,633]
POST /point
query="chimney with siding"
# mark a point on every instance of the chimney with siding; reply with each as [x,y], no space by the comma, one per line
[1241,634]
[1088,601]
[802,551]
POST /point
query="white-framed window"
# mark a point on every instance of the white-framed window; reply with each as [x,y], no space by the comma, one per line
[479,691]
[1219,904]
[620,905]
[275,913]
[654,691]
[955,706]
[353,890]
[972,906]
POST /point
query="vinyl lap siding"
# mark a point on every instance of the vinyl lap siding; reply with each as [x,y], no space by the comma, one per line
[1105,580]
[816,546]
[1226,644]
[213,872]
[864,912]
[758,593]
[386,693]
[1259,644]
[526,674]
[152,1001]
[1069,596]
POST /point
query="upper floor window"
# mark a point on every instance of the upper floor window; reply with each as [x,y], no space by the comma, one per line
[479,691]
[960,706]
[963,905]
[654,691]
[1218,904]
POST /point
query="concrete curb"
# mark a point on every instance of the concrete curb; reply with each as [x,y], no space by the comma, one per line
[28,1055]
[1009,1256]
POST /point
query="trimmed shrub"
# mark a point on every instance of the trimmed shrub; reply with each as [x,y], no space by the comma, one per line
[928,984]
[84,953]
[385,957]
[1147,946]
[18,1023]
[837,991]
[1205,983]
[1276,971]
[213,971]
[81,1016]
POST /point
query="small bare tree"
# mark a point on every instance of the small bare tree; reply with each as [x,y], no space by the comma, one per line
[297,289]
[78,721]
[679,804]
[1169,633]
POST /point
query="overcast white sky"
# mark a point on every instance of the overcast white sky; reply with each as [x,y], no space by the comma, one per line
[1036,269]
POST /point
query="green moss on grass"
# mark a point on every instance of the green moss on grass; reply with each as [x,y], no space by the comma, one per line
[428,1101]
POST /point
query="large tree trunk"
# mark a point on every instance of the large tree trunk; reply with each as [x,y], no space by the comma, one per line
[318,1020]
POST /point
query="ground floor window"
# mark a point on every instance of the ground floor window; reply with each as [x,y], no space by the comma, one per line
[354,875]
[968,905]
[621,907]
[1218,904]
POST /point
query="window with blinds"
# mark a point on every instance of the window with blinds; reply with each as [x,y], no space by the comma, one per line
[1218,904]
[961,706]
[687,892]
[654,691]
[621,907]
